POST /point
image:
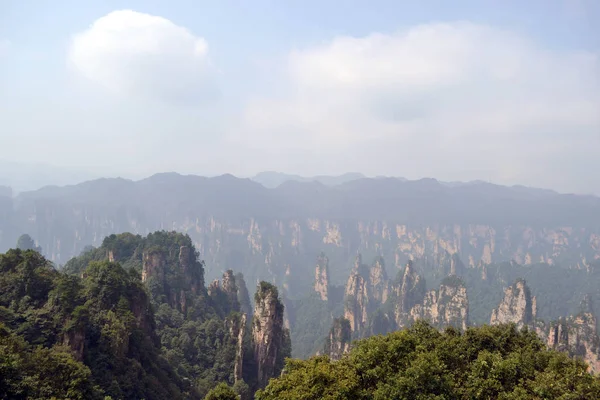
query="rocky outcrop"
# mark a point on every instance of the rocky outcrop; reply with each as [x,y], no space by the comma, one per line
[236,323]
[448,306]
[578,336]
[518,306]
[321,285]
[153,266]
[379,284]
[230,289]
[338,340]
[409,293]
[224,293]
[268,333]
[356,301]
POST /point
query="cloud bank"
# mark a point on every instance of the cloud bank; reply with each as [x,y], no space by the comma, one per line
[449,100]
[138,54]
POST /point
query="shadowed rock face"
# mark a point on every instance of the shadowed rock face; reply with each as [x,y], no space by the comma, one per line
[356,302]
[268,333]
[237,330]
[578,336]
[338,341]
[518,306]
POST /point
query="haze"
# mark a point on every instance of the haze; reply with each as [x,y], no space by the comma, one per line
[507,92]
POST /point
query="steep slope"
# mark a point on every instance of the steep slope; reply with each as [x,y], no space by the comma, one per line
[203,330]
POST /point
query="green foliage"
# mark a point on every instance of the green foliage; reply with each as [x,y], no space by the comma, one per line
[496,362]
[25,242]
[75,337]
[222,392]
[190,326]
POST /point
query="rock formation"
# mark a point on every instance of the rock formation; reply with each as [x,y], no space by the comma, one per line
[153,265]
[268,333]
[518,306]
[379,284]
[237,330]
[322,277]
[409,293]
[356,301]
[578,336]
[338,341]
[448,306]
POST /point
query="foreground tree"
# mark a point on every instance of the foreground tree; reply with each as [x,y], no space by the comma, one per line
[488,362]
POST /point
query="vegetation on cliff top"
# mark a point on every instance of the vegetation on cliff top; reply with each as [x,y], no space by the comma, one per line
[487,362]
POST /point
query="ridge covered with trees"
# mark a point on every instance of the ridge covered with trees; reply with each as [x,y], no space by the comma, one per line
[131,319]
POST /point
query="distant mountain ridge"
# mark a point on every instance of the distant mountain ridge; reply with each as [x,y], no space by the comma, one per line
[272,179]
[275,234]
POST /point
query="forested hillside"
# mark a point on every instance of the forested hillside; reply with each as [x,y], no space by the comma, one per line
[421,363]
[133,319]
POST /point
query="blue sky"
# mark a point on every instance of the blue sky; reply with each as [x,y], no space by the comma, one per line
[506,91]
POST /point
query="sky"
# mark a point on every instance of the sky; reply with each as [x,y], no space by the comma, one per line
[498,90]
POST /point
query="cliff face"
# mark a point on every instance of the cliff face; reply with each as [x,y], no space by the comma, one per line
[178,282]
[258,236]
[409,293]
[268,333]
[373,304]
[448,306]
[322,277]
[518,306]
[356,303]
[237,331]
[338,341]
[578,336]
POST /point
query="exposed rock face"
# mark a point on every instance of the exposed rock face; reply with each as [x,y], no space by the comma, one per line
[378,281]
[322,277]
[356,301]
[518,306]
[409,293]
[229,287]
[237,331]
[338,341]
[75,340]
[153,266]
[448,306]
[577,335]
[268,333]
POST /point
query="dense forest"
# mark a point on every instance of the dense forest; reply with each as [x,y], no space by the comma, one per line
[133,319]
[421,363]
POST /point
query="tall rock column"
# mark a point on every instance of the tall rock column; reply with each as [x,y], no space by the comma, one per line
[322,277]
[268,333]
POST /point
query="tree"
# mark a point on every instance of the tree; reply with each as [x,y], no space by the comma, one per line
[25,242]
[221,392]
[491,362]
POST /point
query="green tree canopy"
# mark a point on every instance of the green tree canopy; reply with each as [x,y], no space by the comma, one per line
[221,392]
[488,362]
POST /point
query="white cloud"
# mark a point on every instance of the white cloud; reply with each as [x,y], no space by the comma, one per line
[454,101]
[134,53]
